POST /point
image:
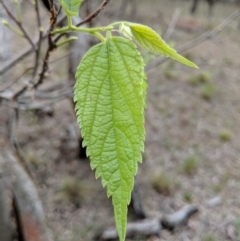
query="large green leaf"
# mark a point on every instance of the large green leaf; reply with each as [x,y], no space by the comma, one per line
[150,40]
[110,99]
[71,7]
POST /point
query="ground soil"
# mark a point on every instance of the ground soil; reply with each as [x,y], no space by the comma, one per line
[183,125]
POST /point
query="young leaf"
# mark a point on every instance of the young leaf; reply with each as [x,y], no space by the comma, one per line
[71,7]
[110,100]
[151,41]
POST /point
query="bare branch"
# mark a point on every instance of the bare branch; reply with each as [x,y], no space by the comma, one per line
[24,53]
[172,24]
[38,105]
[38,49]
[94,14]
[51,47]
[28,205]
[179,218]
[144,228]
[8,85]
[19,24]
[153,226]
[6,231]
[207,35]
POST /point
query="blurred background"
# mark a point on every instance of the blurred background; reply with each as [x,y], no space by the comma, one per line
[192,147]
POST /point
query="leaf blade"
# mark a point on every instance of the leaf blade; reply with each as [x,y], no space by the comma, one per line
[71,7]
[110,97]
[151,41]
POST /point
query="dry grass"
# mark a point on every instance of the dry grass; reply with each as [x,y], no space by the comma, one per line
[163,183]
[225,135]
[190,165]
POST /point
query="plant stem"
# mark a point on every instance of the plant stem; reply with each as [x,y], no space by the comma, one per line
[19,15]
[109,34]
[13,29]
[119,23]
[69,20]
[73,38]
[98,35]
[79,29]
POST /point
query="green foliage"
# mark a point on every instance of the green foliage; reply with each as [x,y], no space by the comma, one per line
[190,165]
[169,74]
[237,228]
[151,41]
[209,237]
[71,7]
[228,61]
[187,196]
[217,188]
[35,160]
[163,183]
[222,183]
[207,91]
[201,78]
[70,191]
[225,135]
[110,99]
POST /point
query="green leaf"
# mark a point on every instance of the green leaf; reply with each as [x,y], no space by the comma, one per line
[71,7]
[110,99]
[151,41]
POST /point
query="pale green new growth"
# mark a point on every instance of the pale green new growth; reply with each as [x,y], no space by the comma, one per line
[151,41]
[71,7]
[110,99]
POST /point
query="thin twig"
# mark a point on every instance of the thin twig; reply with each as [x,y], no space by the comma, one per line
[94,14]
[88,9]
[8,65]
[13,118]
[17,58]
[8,85]
[87,19]
[172,24]
[51,47]
[11,125]
[24,53]
[211,33]
[39,104]
[37,56]
[19,24]
[207,35]
[60,58]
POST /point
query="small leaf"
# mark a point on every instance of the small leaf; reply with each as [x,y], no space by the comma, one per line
[125,31]
[151,41]
[71,7]
[110,99]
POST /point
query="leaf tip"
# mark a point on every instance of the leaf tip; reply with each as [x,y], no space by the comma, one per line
[195,66]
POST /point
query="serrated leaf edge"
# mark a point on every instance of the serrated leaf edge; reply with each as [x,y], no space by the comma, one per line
[141,149]
[170,52]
